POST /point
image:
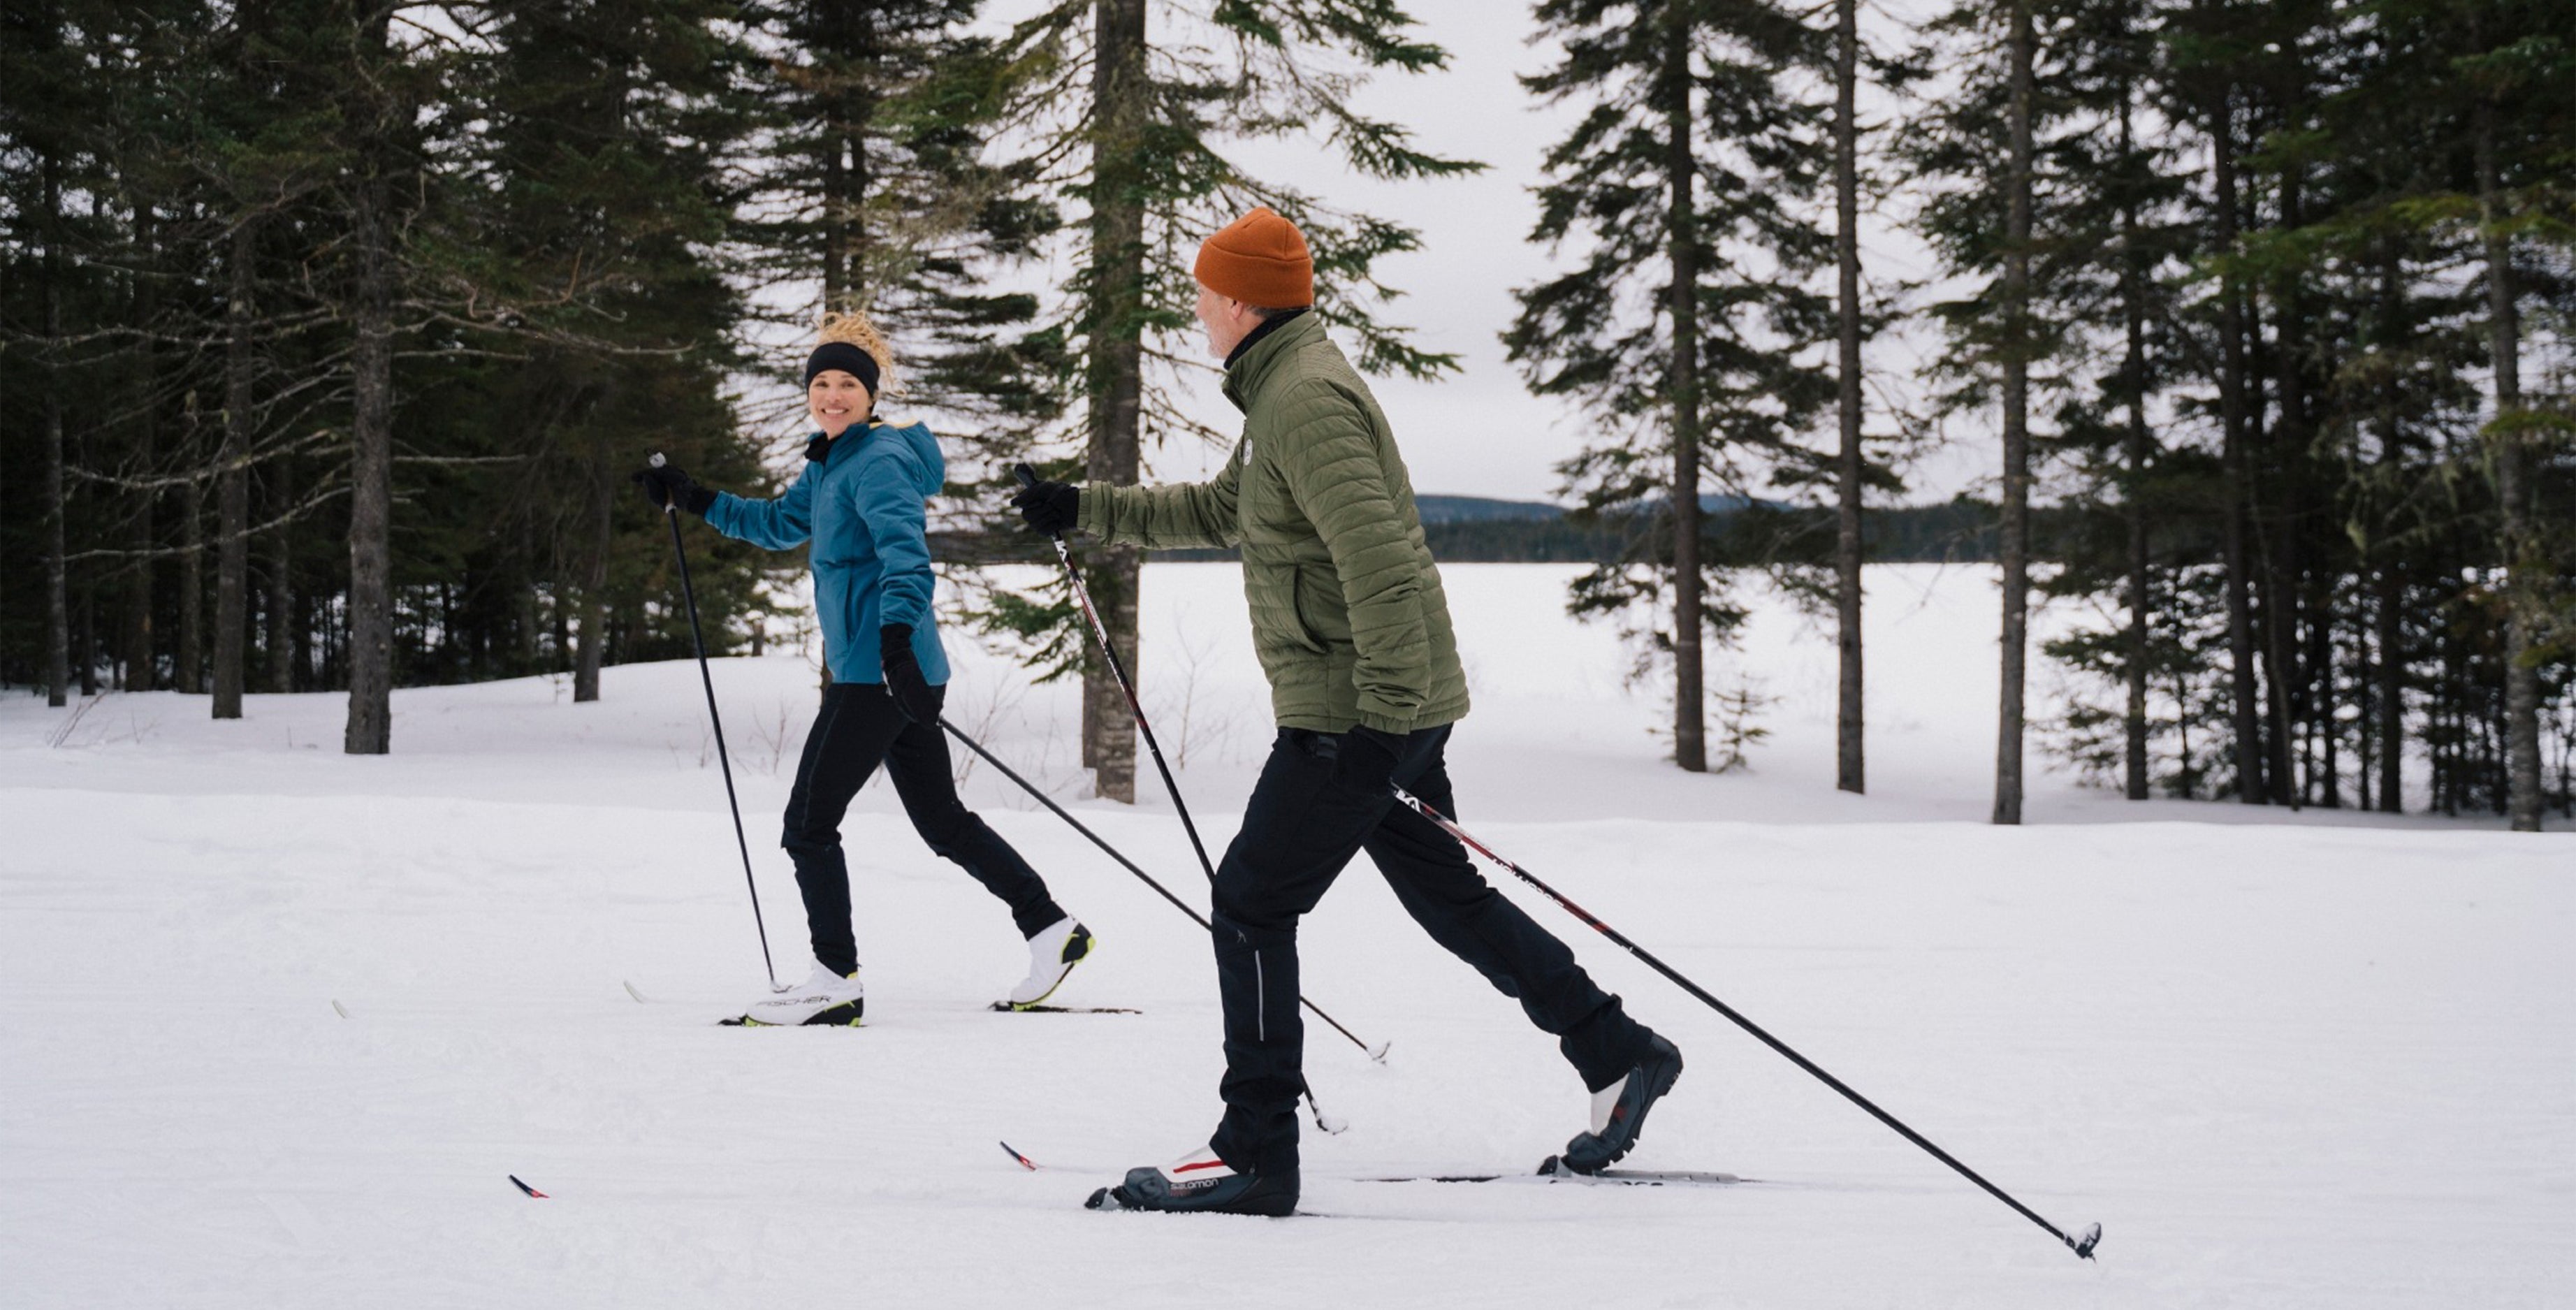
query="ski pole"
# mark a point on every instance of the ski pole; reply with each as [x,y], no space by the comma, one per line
[2082,1244]
[1100,632]
[671,511]
[1375,1053]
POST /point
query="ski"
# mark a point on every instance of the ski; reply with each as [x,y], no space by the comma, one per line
[746,1021]
[1553,1170]
[1005,1007]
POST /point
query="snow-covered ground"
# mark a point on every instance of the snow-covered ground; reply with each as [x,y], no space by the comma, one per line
[2322,1060]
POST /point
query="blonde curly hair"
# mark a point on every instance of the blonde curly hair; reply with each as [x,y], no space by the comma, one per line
[855,328]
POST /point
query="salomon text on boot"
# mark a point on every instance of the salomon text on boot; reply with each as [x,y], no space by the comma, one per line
[1200,1181]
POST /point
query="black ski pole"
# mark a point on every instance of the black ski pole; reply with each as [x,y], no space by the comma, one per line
[1118,668]
[2081,1244]
[1378,1053]
[1100,633]
[671,511]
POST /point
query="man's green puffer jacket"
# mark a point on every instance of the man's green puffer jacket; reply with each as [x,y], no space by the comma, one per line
[1347,610]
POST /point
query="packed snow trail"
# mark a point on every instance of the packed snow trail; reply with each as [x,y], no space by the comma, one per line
[2318,1060]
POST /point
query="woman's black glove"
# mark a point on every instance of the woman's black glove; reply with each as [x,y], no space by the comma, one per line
[1366,759]
[912,694]
[1048,506]
[666,485]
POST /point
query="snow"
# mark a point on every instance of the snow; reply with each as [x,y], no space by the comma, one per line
[2311,1060]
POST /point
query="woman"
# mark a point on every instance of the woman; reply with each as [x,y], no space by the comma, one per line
[859,500]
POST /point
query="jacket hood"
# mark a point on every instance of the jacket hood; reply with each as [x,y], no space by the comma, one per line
[929,467]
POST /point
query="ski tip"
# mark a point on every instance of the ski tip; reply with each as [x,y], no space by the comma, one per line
[1025,1162]
[2088,1239]
[514,1178]
[338,1009]
[1378,1052]
[630,990]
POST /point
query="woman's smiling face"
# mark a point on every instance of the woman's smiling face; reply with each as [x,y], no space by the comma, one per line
[836,399]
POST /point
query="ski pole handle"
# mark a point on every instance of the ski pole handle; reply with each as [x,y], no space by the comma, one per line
[1028,476]
[670,505]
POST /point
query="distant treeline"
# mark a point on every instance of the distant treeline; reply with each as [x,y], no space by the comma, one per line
[1466,530]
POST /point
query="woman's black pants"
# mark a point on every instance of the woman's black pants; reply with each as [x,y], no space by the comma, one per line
[858,728]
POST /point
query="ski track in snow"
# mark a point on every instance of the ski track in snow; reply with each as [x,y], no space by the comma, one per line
[2313,1060]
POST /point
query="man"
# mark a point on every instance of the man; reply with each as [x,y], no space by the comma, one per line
[1352,627]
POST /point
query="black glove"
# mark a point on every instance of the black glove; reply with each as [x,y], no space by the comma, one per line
[1048,506]
[1366,759]
[912,694]
[667,484]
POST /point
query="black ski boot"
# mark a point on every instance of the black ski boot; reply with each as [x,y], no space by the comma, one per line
[1201,1182]
[1619,1110]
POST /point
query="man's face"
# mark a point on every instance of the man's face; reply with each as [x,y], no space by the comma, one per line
[1227,322]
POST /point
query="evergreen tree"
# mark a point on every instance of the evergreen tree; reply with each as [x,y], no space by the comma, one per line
[1685,184]
[1132,121]
[877,191]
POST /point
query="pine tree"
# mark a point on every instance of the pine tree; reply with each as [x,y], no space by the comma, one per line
[1996,155]
[882,195]
[1688,300]
[1134,116]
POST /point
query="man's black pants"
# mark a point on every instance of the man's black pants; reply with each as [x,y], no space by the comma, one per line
[1299,829]
[859,727]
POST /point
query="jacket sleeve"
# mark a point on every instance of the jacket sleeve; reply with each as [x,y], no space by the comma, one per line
[1337,473]
[1166,518]
[889,502]
[782,523]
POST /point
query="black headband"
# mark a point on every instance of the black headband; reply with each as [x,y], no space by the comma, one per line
[845,357]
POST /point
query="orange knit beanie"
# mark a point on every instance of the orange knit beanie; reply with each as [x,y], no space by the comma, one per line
[1259,259]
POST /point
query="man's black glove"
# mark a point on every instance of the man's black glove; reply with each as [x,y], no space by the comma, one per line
[1048,506]
[912,694]
[1366,759]
[667,484]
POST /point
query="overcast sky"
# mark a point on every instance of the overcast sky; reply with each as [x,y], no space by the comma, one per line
[1478,431]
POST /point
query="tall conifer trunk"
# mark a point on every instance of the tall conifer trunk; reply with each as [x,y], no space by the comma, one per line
[282,631]
[232,489]
[2388,581]
[370,655]
[1690,738]
[58,625]
[192,552]
[2509,453]
[1119,88]
[2016,401]
[137,626]
[2288,442]
[2232,419]
[1848,738]
[2134,508]
[594,584]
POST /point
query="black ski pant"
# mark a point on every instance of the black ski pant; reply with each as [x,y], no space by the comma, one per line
[1299,829]
[859,727]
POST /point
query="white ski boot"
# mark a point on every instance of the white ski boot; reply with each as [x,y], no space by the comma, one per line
[1052,954]
[824,997]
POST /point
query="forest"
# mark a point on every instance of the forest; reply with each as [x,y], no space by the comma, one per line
[331,331]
